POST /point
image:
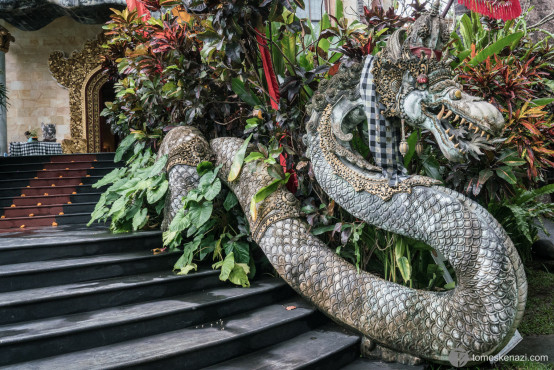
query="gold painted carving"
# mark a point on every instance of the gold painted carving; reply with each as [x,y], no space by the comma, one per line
[278,206]
[74,73]
[90,100]
[193,150]
[379,187]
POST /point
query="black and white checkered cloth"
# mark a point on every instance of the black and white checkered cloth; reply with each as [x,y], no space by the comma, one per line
[34,148]
[384,137]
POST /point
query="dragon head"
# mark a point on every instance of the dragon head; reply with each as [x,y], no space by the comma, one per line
[415,82]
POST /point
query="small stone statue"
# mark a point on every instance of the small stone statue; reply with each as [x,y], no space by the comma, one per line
[48,132]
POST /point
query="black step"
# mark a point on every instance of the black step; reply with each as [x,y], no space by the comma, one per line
[33,200]
[32,304]
[195,347]
[22,183]
[26,174]
[50,190]
[80,243]
[327,347]
[48,158]
[72,270]
[54,336]
[38,166]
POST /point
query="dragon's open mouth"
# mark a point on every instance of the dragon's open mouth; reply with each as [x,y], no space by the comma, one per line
[458,129]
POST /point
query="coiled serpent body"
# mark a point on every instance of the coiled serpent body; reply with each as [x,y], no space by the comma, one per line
[478,316]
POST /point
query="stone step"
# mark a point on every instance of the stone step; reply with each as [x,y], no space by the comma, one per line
[52,189]
[45,210]
[39,303]
[9,224]
[196,346]
[54,336]
[38,274]
[48,200]
[80,244]
[327,347]
[68,165]
[26,174]
[56,158]
[48,181]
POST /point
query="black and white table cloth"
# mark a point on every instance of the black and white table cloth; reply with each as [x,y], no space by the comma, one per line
[34,148]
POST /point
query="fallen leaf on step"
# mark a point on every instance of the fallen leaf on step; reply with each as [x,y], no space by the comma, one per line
[289,308]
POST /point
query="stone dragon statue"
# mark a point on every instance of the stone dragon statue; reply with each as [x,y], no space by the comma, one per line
[409,82]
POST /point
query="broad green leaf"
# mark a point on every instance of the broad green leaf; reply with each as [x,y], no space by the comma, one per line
[200,213]
[239,275]
[213,190]
[110,178]
[155,194]
[241,251]
[118,205]
[123,147]
[253,156]
[238,159]
[188,268]
[140,219]
[203,167]
[450,286]
[230,201]
[405,268]
[158,166]
[542,101]
[245,94]
[227,267]
[322,229]
[505,172]
[496,48]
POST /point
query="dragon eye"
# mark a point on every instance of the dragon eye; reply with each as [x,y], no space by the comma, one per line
[456,94]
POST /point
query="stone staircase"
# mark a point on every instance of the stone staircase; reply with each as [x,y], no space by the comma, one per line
[38,191]
[73,297]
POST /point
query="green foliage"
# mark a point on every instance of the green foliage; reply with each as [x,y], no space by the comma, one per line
[521,214]
[202,229]
[136,194]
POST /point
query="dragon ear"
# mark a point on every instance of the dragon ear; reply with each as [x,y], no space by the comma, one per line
[394,45]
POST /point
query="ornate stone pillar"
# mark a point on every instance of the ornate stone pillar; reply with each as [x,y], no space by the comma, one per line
[5,39]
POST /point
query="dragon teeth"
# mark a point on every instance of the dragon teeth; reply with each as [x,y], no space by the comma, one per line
[488,137]
[447,130]
[451,137]
[482,133]
[476,129]
[448,114]
[470,125]
[456,118]
[457,145]
[439,116]
[463,121]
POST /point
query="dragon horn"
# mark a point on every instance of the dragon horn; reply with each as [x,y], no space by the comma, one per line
[435,8]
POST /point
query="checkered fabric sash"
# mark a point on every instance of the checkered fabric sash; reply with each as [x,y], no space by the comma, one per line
[384,137]
[34,148]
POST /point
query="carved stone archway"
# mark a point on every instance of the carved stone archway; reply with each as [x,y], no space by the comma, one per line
[81,75]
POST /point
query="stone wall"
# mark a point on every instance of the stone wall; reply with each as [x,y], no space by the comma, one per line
[34,95]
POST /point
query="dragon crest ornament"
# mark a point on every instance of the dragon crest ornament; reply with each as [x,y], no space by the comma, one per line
[410,82]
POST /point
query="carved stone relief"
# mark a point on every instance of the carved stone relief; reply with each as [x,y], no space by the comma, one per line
[81,74]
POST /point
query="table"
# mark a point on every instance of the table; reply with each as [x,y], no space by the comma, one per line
[34,148]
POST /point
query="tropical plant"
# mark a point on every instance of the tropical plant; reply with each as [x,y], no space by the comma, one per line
[521,216]
[208,225]
[135,197]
